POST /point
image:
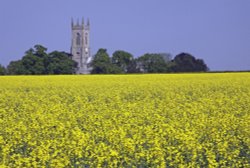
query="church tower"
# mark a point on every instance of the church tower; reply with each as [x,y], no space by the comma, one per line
[80,48]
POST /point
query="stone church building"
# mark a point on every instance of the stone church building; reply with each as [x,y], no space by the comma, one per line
[80,46]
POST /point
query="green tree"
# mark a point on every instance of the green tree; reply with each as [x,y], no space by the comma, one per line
[36,61]
[101,63]
[185,62]
[2,70]
[122,59]
[60,63]
[40,51]
[166,56]
[201,66]
[132,67]
[33,64]
[16,68]
[152,63]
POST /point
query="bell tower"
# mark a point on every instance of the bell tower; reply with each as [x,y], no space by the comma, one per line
[80,47]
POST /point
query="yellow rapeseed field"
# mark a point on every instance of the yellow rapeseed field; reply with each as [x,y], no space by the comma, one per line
[169,120]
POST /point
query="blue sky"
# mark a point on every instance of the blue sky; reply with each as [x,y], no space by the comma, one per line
[217,31]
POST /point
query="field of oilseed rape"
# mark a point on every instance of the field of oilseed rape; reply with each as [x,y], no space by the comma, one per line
[172,120]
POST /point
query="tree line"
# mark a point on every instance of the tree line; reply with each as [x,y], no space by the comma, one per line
[37,61]
[124,62]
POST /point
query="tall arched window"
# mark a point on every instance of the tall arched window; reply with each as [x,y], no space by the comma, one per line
[86,38]
[78,39]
